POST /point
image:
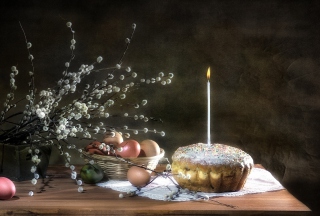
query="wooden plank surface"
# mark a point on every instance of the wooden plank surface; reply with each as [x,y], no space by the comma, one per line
[58,195]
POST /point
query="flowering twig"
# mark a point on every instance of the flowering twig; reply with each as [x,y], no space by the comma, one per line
[45,122]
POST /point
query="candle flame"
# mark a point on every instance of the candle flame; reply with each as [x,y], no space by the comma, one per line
[208,73]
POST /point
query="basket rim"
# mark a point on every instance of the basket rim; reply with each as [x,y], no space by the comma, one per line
[107,157]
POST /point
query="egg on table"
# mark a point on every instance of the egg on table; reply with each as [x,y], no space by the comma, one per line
[149,148]
[138,176]
[91,173]
[7,188]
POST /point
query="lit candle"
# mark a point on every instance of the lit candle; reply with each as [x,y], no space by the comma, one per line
[208,95]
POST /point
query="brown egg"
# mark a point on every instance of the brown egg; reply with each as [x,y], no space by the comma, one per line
[149,148]
[138,176]
[112,138]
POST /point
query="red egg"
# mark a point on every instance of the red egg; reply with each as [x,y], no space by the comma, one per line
[7,188]
[128,148]
[138,176]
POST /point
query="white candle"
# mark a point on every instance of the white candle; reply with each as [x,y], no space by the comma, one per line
[208,96]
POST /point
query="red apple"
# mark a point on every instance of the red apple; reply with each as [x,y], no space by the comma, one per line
[128,148]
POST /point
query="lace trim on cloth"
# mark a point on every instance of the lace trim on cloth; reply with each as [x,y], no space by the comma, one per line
[259,181]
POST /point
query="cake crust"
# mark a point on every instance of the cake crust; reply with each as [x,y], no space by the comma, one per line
[211,168]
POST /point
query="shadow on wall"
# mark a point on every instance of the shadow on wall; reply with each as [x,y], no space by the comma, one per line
[274,114]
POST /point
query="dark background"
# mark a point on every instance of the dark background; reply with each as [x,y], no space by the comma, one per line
[264,56]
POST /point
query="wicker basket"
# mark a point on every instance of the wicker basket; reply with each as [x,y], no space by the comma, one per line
[115,168]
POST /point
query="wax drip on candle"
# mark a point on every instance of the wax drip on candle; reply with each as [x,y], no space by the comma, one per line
[208,96]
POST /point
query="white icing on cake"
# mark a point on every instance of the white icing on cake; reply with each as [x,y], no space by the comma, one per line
[214,154]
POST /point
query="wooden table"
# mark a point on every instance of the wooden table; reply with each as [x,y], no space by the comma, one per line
[59,196]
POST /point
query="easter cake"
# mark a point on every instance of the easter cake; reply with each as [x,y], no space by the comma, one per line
[211,168]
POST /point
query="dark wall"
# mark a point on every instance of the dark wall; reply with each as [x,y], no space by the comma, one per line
[264,57]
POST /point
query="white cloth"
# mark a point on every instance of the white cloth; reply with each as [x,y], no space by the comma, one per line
[259,181]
